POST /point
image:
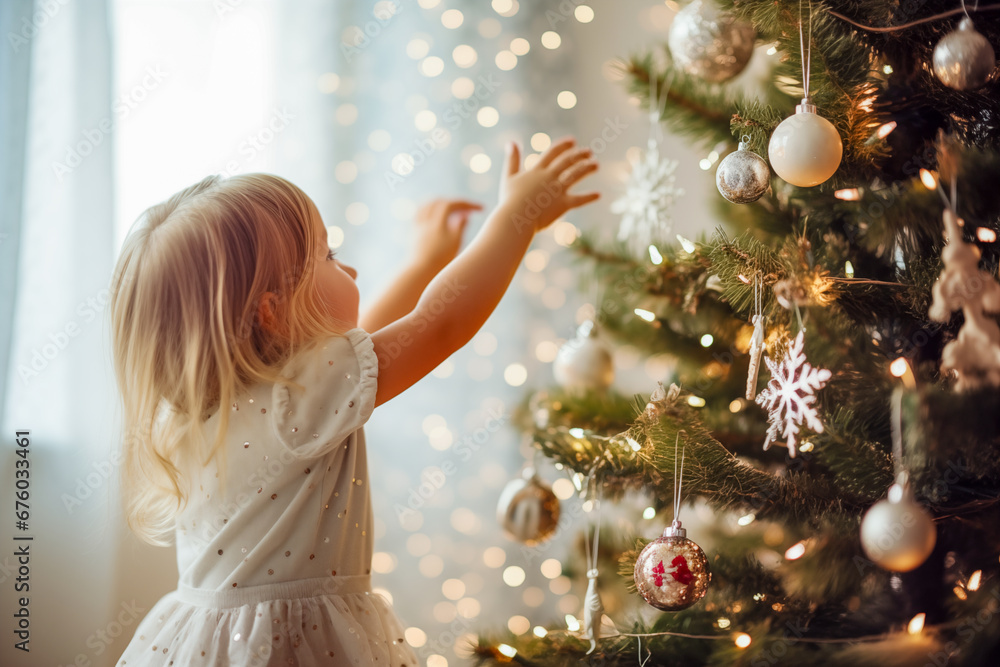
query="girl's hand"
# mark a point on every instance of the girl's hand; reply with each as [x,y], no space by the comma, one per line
[540,194]
[440,225]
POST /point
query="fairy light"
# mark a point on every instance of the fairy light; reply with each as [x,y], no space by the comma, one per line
[742,640]
[649,513]
[539,631]
[633,443]
[960,593]
[848,269]
[743,279]
[795,551]
[974,580]
[507,650]
[746,519]
[806,447]
[887,69]
[696,401]
[916,624]
[986,235]
[654,255]
[572,623]
[645,314]
[576,432]
[706,340]
[723,623]
[901,369]
[928,179]
[886,129]
[771,51]
[688,246]
[736,405]
[848,194]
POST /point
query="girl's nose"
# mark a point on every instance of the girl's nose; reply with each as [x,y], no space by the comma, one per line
[349,270]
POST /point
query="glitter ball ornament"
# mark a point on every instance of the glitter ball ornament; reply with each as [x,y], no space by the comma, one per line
[963,59]
[708,43]
[742,176]
[672,573]
[528,510]
[584,363]
[805,149]
[897,533]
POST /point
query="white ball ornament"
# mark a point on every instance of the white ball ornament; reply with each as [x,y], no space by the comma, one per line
[805,149]
[584,363]
[708,43]
[964,59]
[897,533]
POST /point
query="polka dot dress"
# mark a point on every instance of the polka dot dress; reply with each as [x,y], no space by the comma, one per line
[274,550]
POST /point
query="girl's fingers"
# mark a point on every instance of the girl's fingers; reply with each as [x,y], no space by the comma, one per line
[570,158]
[555,150]
[456,205]
[575,201]
[577,172]
[513,158]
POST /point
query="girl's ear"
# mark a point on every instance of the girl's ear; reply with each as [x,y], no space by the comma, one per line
[265,311]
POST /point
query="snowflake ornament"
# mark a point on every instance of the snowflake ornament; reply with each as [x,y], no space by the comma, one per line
[790,395]
[649,194]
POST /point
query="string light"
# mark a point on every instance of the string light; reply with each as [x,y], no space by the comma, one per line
[743,279]
[742,640]
[848,194]
[539,631]
[806,447]
[746,519]
[688,246]
[916,624]
[986,235]
[572,623]
[886,129]
[898,367]
[928,179]
[706,340]
[696,401]
[960,593]
[795,551]
[723,623]
[645,314]
[974,580]
[654,255]
[633,443]
[507,650]
[848,269]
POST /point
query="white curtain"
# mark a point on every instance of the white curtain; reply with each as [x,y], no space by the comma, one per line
[57,245]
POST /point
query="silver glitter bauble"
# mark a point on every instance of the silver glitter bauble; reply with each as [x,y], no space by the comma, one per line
[583,363]
[710,44]
[528,510]
[671,573]
[897,533]
[742,176]
[963,59]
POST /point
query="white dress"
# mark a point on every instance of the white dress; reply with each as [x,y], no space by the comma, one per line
[275,564]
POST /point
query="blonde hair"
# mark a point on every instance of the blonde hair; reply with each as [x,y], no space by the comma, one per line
[186,330]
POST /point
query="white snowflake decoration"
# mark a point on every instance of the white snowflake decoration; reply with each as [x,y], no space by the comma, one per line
[649,194]
[790,395]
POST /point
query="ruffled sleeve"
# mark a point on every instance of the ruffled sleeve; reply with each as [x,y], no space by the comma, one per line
[339,376]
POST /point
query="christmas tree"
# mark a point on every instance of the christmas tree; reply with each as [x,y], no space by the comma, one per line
[854,488]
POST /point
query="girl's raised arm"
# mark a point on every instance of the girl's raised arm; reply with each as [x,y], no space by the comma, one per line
[460,299]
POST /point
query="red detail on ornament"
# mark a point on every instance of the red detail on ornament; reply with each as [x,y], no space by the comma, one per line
[682,573]
[658,574]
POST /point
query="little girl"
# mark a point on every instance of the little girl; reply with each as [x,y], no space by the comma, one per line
[246,377]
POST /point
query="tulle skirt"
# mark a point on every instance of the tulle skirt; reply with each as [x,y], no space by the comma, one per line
[327,621]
